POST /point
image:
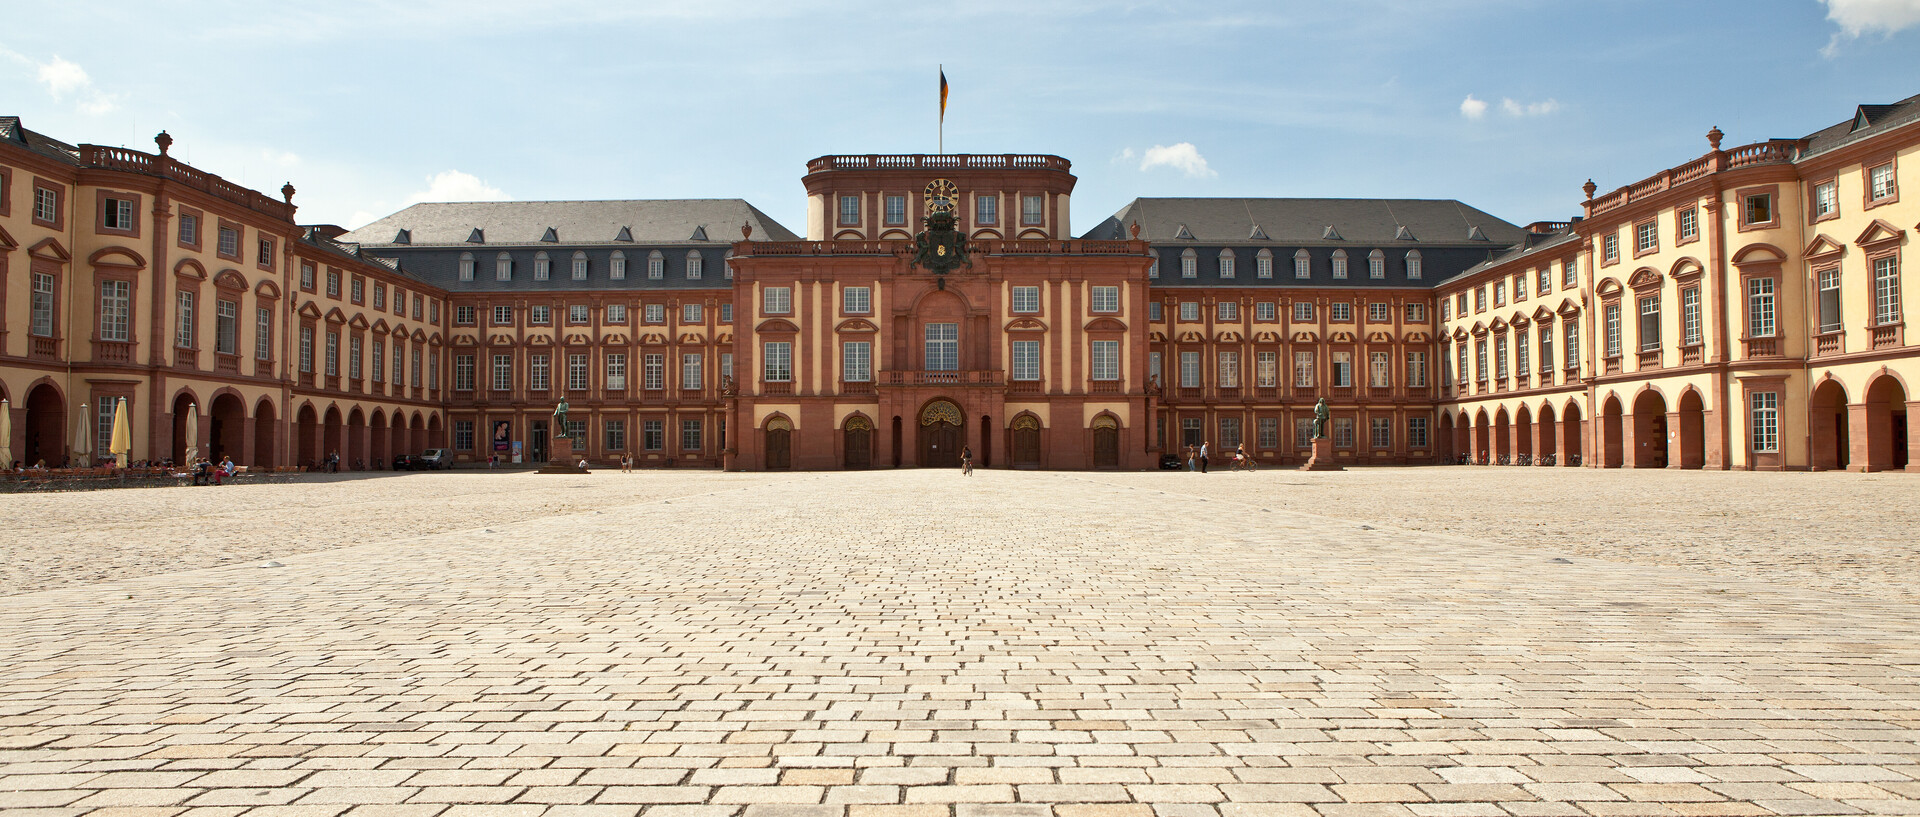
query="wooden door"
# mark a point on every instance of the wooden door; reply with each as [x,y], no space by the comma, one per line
[1026,443]
[859,447]
[940,445]
[1106,447]
[778,456]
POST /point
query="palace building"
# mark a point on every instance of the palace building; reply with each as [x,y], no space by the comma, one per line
[1740,310]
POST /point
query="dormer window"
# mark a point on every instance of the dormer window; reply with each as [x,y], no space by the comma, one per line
[617,268]
[542,266]
[503,267]
[1263,264]
[693,265]
[1153,266]
[1376,265]
[656,265]
[1226,263]
[1302,264]
[1413,265]
[726,265]
[579,266]
[466,266]
[1339,265]
[1189,264]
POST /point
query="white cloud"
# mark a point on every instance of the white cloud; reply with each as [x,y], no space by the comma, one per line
[64,79]
[1183,157]
[453,185]
[1858,18]
[283,158]
[1513,108]
[1473,108]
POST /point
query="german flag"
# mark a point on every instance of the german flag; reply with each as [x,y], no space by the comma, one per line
[943,95]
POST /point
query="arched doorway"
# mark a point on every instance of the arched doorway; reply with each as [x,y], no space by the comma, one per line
[1502,437]
[379,444]
[1611,430]
[356,453]
[1886,424]
[1574,433]
[856,442]
[1463,438]
[896,441]
[1448,451]
[180,405]
[1482,442]
[1693,430]
[1650,430]
[435,434]
[266,435]
[1026,441]
[227,429]
[1106,442]
[1827,425]
[333,441]
[1523,432]
[942,433]
[46,428]
[1544,429]
[983,456]
[779,444]
[417,434]
[397,440]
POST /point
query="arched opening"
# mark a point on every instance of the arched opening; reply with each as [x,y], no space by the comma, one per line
[779,441]
[1502,438]
[1692,430]
[266,435]
[1025,442]
[1650,430]
[227,429]
[378,442]
[942,433]
[1886,424]
[1482,441]
[46,428]
[1523,433]
[356,453]
[1573,434]
[333,442]
[436,435]
[180,406]
[398,441]
[417,434]
[1106,442]
[1463,438]
[896,441]
[856,442]
[1611,431]
[306,430]
[1544,434]
[983,456]
[1448,450]
[1827,426]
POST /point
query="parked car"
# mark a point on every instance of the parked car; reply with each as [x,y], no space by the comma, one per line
[437,459]
[407,462]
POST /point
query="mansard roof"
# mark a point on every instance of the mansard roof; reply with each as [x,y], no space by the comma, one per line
[11,130]
[1293,222]
[1867,121]
[517,223]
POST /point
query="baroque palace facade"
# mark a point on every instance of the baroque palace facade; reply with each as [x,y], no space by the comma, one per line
[1742,310]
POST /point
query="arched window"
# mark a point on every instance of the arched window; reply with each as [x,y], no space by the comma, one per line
[503,267]
[1226,263]
[579,266]
[1376,264]
[466,266]
[542,266]
[1413,265]
[1263,264]
[1302,264]
[693,265]
[617,270]
[656,265]
[1339,264]
[1189,263]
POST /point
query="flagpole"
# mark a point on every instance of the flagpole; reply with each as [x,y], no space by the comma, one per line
[943,110]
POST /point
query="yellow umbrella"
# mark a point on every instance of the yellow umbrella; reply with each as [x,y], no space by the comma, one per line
[122,434]
[82,442]
[193,434]
[6,434]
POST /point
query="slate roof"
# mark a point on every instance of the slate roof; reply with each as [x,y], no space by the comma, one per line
[521,223]
[1535,244]
[312,238]
[11,130]
[1878,119]
[1296,222]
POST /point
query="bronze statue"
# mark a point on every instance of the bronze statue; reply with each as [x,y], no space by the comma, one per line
[560,419]
[1321,414]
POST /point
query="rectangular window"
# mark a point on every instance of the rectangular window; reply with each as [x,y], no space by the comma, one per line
[691,314]
[1303,432]
[399,363]
[616,371]
[943,347]
[856,300]
[1227,369]
[1826,199]
[463,315]
[1190,370]
[653,372]
[1189,310]
[379,296]
[1689,224]
[229,242]
[1376,266]
[1886,290]
[1500,357]
[690,436]
[1190,431]
[776,300]
[1381,432]
[333,354]
[1153,367]
[1226,264]
[1302,311]
[656,266]
[1461,367]
[1106,360]
[359,290]
[1189,265]
[617,270]
[1880,182]
[118,215]
[615,438]
[1416,432]
[1545,284]
[1757,209]
[1766,421]
[986,210]
[46,204]
[1521,349]
[726,364]
[502,372]
[1264,311]
[1500,293]
[183,320]
[576,372]
[1417,313]
[1572,340]
[265,258]
[1302,265]
[1153,312]
[1690,316]
[262,333]
[1546,352]
[1379,370]
[306,349]
[103,425]
[1610,247]
[226,327]
[1339,266]
[1649,324]
[1032,209]
[1267,432]
[1613,330]
[115,307]
[463,372]
[1379,313]
[849,210]
[1229,435]
[1829,300]
[1413,265]
[1417,370]
[539,314]
[434,312]
[577,314]
[1026,299]
[1759,307]
[580,269]
[356,362]
[1519,286]
[1340,312]
[190,235]
[1343,432]
[1227,311]
[1263,265]
[896,210]
[418,381]
[463,435]
[1646,237]
[379,361]
[777,365]
[1303,369]
[1480,360]
[653,435]
[856,361]
[503,316]
[616,314]
[1266,369]
[692,376]
[653,313]
[503,268]
[1106,299]
[1026,360]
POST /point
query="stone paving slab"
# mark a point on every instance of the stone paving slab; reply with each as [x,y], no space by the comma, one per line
[919,644]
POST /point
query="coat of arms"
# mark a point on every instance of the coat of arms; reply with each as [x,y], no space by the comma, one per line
[941,247]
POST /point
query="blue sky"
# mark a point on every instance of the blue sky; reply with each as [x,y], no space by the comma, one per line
[1509,106]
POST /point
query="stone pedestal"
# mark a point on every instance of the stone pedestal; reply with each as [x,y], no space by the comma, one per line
[1322,459]
[560,458]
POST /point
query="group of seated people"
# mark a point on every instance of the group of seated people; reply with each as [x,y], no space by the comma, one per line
[204,470]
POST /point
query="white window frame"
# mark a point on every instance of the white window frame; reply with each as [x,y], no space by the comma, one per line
[776,301]
[1106,299]
[1026,299]
[856,301]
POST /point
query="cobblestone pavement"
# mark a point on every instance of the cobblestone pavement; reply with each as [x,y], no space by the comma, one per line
[918,644]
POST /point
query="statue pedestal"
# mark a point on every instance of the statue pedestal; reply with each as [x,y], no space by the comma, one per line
[560,458]
[1322,459]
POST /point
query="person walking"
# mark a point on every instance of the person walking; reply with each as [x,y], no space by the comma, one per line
[626,463]
[966,460]
[1203,457]
[1193,460]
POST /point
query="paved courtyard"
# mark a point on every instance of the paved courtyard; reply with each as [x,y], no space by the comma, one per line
[916,644]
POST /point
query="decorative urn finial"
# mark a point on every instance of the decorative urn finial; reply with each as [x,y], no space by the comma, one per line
[164,141]
[1134,230]
[1589,187]
[746,231]
[286,192]
[1714,136]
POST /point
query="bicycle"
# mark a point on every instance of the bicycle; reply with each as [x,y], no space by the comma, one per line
[1244,464]
[966,467]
